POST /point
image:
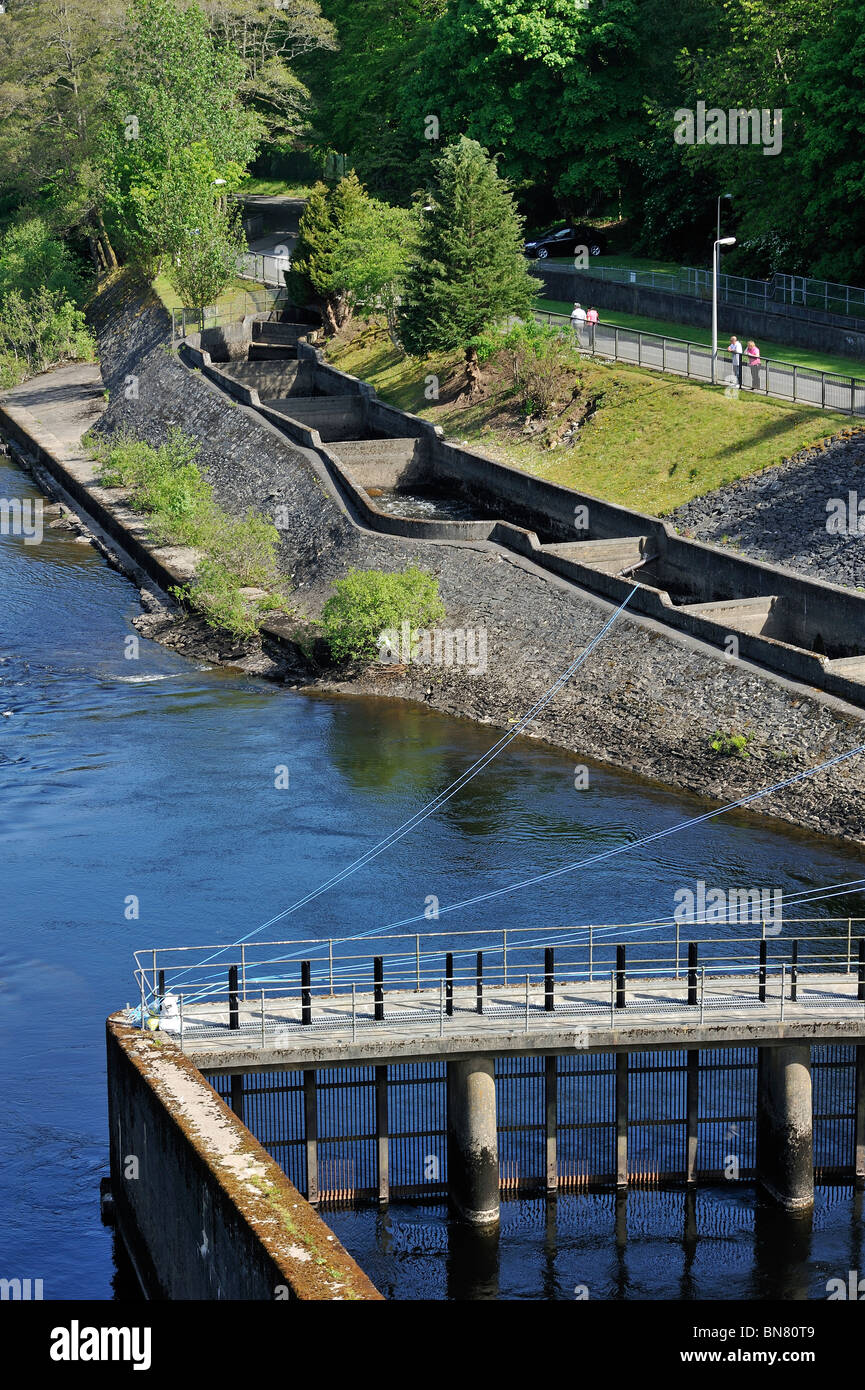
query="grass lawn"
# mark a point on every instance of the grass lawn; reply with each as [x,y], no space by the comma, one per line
[625,262]
[653,443]
[237,299]
[275,188]
[803,357]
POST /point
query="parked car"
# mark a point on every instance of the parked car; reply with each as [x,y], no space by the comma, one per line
[563,241]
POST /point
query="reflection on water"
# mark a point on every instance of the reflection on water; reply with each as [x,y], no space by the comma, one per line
[712,1243]
[154,780]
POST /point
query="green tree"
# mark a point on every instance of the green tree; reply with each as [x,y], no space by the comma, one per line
[825,170]
[56,58]
[193,226]
[32,258]
[351,249]
[468,271]
[176,88]
[360,95]
[269,39]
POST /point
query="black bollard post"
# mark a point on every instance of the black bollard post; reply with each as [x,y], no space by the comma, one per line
[305,991]
[794,972]
[161,987]
[860,993]
[233,1019]
[378,987]
[763,954]
[692,973]
[549,979]
[620,977]
[479,1002]
[449,984]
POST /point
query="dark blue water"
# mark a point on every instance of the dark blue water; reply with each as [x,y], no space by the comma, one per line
[153,779]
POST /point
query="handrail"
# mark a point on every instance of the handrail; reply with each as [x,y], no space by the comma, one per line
[775,377]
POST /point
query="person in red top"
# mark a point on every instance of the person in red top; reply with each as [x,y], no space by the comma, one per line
[592,317]
[752,352]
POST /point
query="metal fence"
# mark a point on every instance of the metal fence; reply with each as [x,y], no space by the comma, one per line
[772,377]
[262,301]
[266,269]
[351,1134]
[741,290]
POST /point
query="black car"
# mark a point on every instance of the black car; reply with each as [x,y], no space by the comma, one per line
[563,241]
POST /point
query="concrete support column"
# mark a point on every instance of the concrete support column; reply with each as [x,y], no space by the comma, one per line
[785,1159]
[551,1109]
[310,1116]
[473,1153]
[621,1119]
[692,1105]
[859,1119]
[381,1134]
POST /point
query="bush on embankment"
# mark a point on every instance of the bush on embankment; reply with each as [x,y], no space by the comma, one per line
[369,602]
[167,484]
[41,291]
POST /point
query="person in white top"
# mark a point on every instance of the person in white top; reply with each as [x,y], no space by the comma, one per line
[735,350]
[578,320]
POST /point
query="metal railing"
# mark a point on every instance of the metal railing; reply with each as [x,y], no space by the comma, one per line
[741,290]
[263,302]
[259,986]
[530,1003]
[265,269]
[773,377]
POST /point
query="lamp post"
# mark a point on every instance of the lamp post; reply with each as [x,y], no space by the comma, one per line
[716,260]
[721,198]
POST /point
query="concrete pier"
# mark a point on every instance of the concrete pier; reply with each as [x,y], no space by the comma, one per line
[204,1211]
[473,1155]
[785,1126]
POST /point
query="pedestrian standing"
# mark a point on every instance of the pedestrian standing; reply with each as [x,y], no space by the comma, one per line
[752,352]
[735,350]
[592,317]
[578,321]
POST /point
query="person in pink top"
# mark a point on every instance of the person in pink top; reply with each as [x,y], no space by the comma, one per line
[592,317]
[752,352]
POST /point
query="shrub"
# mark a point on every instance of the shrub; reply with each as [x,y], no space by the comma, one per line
[43,330]
[167,483]
[368,602]
[542,365]
[32,259]
[730,745]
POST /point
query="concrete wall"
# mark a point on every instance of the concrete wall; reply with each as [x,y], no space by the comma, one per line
[274,379]
[561,282]
[199,1200]
[648,702]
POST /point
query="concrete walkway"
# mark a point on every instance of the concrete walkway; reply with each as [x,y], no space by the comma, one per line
[65,402]
[415,1024]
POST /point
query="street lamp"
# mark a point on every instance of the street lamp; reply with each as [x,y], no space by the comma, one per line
[721,198]
[716,260]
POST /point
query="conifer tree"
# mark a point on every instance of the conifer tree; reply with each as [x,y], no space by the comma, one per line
[469,271]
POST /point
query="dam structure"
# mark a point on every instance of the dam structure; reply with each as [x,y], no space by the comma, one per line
[487,1065]
[395,474]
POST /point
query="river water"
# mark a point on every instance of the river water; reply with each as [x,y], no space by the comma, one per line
[148,785]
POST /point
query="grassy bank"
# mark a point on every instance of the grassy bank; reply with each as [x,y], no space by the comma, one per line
[238,298]
[237,580]
[782,352]
[648,441]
